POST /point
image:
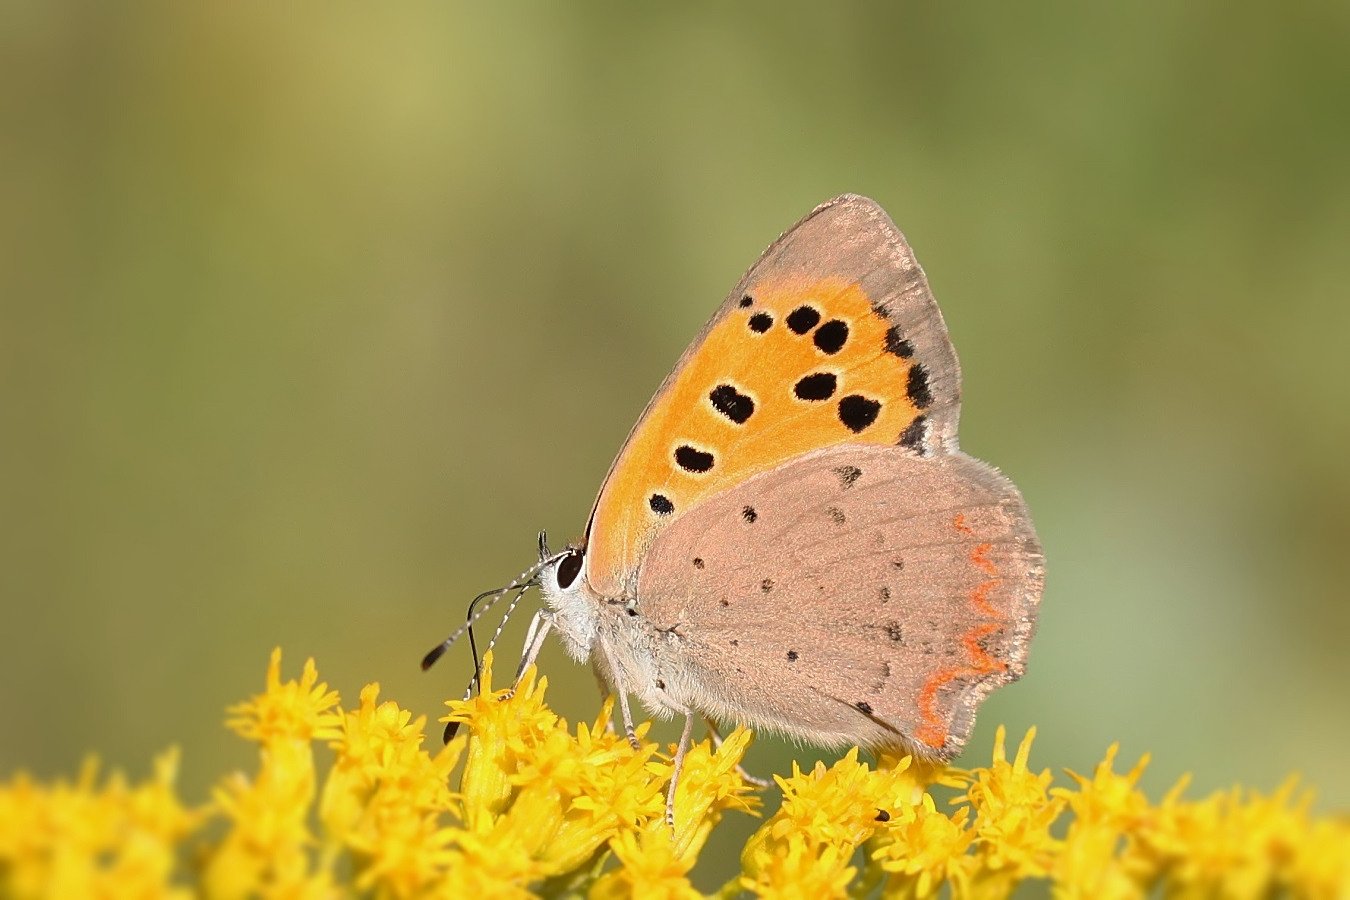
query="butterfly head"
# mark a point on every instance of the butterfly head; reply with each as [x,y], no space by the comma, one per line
[574,605]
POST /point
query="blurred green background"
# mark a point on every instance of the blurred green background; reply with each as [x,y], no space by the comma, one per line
[312,315]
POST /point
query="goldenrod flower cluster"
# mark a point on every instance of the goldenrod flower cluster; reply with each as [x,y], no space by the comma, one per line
[542,810]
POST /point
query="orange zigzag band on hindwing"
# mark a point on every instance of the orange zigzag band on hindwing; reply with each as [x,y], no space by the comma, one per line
[933,731]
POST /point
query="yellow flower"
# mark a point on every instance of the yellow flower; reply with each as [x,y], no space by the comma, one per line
[84,839]
[557,799]
[538,808]
[1098,856]
[1013,814]
[649,866]
[269,846]
[1240,843]
[825,816]
[302,710]
[384,797]
[925,850]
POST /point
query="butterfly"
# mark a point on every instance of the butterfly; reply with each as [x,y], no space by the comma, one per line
[791,538]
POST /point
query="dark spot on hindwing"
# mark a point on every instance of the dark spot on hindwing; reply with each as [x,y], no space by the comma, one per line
[747,300]
[858,412]
[766,585]
[698,562]
[831,337]
[914,434]
[660,504]
[693,460]
[895,632]
[884,593]
[761,322]
[660,685]
[803,319]
[836,515]
[749,515]
[864,707]
[792,656]
[816,386]
[724,601]
[897,344]
[917,387]
[732,403]
[847,475]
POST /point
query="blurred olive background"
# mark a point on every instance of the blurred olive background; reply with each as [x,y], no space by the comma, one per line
[313,315]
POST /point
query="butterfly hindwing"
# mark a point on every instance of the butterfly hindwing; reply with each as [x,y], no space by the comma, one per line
[833,337]
[907,585]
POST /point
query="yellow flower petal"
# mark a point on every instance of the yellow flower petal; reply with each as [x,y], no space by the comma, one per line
[540,808]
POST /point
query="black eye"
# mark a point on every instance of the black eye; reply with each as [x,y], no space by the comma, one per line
[569,568]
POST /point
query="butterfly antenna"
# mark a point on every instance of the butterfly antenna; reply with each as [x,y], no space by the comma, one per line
[452,727]
[524,583]
[439,650]
[523,580]
[510,608]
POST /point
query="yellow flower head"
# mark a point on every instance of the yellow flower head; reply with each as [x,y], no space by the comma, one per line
[1013,814]
[539,808]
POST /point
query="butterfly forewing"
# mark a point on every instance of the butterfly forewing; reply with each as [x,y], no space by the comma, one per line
[832,338]
[859,594]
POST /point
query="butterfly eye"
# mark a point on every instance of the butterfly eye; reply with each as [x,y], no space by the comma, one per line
[569,569]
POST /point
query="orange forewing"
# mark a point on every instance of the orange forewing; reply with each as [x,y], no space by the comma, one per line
[766,366]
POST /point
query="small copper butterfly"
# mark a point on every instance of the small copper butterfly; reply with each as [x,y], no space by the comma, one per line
[790,538]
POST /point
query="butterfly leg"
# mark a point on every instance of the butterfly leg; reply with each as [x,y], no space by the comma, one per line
[677,765]
[740,770]
[540,626]
[629,730]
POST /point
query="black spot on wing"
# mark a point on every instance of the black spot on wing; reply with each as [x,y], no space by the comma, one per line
[831,337]
[915,434]
[917,387]
[693,460]
[847,475]
[749,515]
[816,386]
[761,322]
[896,344]
[660,504]
[732,403]
[747,300]
[858,412]
[803,319]
[792,656]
